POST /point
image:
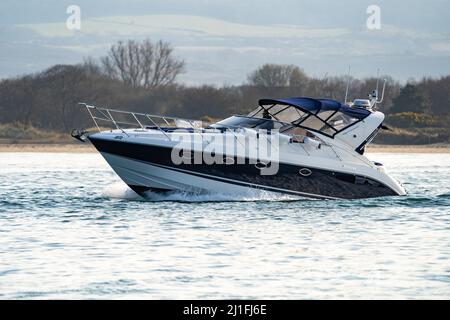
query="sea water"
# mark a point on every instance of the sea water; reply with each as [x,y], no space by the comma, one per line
[70,229]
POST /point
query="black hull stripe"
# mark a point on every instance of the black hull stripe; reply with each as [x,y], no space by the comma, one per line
[239,183]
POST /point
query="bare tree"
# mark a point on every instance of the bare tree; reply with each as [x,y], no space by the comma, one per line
[91,66]
[142,64]
[277,75]
[65,86]
[17,99]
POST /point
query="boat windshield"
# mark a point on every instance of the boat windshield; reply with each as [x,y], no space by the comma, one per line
[249,122]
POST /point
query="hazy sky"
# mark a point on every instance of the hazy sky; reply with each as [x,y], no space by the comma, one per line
[221,41]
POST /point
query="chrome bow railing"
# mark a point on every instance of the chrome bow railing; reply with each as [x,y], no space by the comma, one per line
[125,119]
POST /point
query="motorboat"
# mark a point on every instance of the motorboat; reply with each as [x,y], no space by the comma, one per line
[302,146]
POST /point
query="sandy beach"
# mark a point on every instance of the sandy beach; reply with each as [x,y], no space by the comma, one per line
[408,149]
[87,147]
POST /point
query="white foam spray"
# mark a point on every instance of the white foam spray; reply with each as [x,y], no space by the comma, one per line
[120,190]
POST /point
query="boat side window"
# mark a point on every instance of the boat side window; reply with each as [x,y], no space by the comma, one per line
[324,115]
[299,134]
[290,114]
[275,109]
[341,120]
[317,124]
[298,131]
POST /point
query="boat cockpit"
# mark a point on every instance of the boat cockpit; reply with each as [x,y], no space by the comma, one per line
[324,116]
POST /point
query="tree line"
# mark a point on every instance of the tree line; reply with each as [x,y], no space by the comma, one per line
[141,76]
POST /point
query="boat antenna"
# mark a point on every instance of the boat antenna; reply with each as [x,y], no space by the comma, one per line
[378,77]
[382,92]
[374,97]
[348,84]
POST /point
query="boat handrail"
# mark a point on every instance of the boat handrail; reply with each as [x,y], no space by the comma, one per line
[107,115]
[137,113]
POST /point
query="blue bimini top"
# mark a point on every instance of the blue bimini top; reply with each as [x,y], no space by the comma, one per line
[316,106]
[325,116]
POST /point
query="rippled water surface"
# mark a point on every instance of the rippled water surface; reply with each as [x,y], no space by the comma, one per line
[70,229]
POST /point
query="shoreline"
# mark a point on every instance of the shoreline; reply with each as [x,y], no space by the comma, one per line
[48,147]
[87,147]
[379,148]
